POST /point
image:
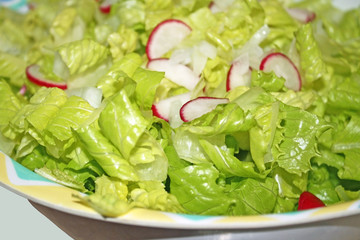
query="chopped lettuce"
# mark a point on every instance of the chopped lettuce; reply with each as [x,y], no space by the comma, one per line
[255,154]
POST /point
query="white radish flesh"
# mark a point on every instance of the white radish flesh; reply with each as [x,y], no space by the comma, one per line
[199,106]
[239,73]
[165,36]
[282,66]
[163,108]
[301,15]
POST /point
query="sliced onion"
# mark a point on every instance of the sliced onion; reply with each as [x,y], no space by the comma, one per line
[220,5]
[60,69]
[207,49]
[92,95]
[252,47]
[198,61]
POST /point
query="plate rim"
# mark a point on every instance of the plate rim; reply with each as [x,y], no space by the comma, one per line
[182,221]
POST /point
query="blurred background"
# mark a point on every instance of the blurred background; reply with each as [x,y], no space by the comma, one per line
[20,221]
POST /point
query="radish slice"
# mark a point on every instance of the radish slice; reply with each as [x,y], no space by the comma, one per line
[220,5]
[163,108]
[301,15]
[199,106]
[23,90]
[176,72]
[239,73]
[35,76]
[105,6]
[308,200]
[214,8]
[165,36]
[282,66]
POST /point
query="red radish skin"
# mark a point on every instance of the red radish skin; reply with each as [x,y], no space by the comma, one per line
[282,66]
[213,8]
[302,15]
[157,113]
[176,72]
[308,200]
[199,106]
[162,108]
[106,9]
[165,36]
[105,6]
[35,76]
[234,79]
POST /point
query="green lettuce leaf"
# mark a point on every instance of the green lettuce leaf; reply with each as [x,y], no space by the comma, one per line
[263,133]
[110,197]
[82,55]
[10,104]
[295,140]
[123,112]
[157,11]
[12,67]
[36,159]
[133,142]
[34,116]
[322,183]
[152,195]
[290,185]
[282,25]
[106,155]
[119,75]
[252,98]
[225,118]
[254,197]
[197,190]
[188,147]
[301,99]
[347,195]
[214,73]
[346,142]
[228,164]
[67,26]
[268,81]
[312,64]
[129,13]
[147,83]
[122,42]
[113,197]
[149,159]
[12,39]
[58,134]
[344,97]
[209,195]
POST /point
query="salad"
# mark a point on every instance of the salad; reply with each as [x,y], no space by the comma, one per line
[222,107]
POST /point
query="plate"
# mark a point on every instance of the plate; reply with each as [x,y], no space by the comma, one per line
[57,203]
[339,221]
